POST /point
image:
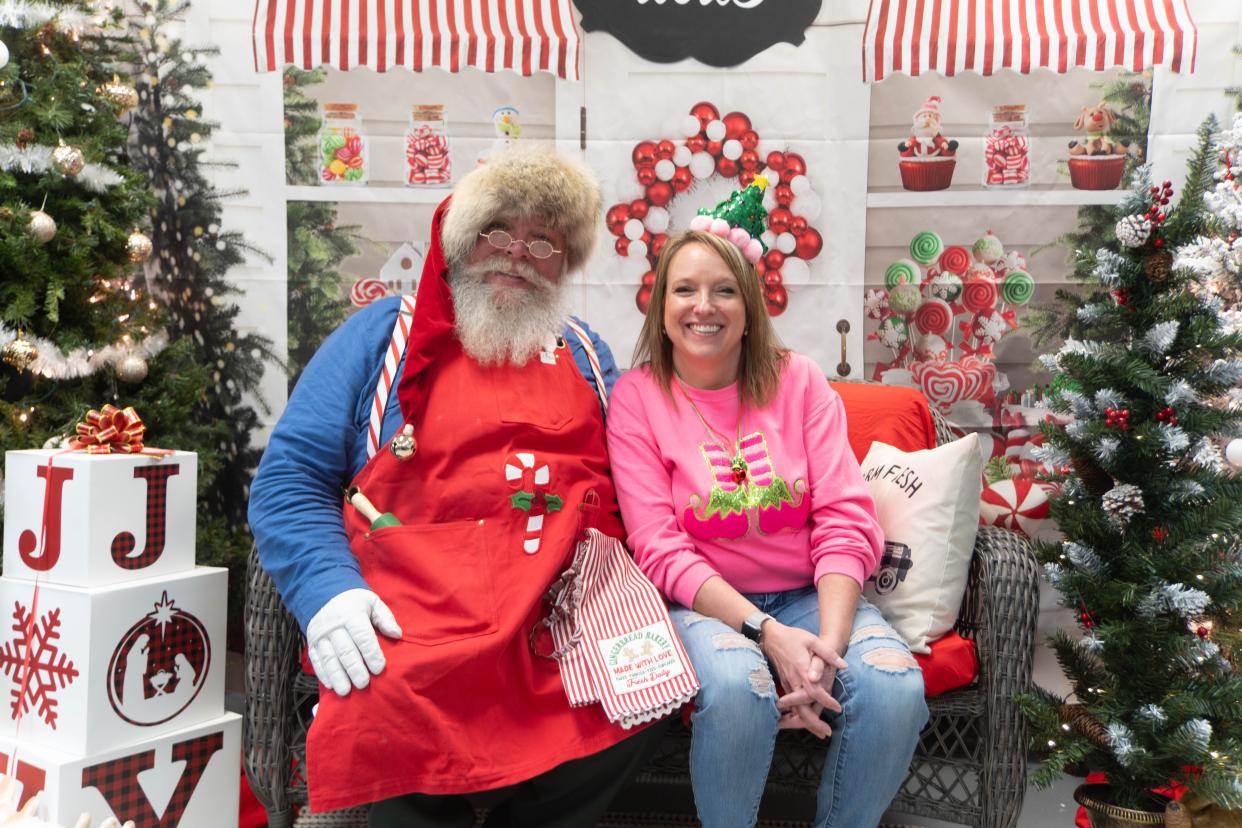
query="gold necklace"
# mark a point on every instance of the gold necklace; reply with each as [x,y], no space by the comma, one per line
[737,464]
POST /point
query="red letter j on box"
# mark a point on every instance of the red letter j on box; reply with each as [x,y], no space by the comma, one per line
[123,544]
[26,542]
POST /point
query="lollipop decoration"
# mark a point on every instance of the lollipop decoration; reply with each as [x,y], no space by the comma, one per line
[926,247]
[902,271]
[708,145]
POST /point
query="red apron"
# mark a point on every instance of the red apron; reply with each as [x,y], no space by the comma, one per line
[505,456]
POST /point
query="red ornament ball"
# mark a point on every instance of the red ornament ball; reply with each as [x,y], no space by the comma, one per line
[657,244]
[714,148]
[726,167]
[705,112]
[736,123]
[749,160]
[622,246]
[643,298]
[798,226]
[638,209]
[779,219]
[664,149]
[774,260]
[749,139]
[660,193]
[696,143]
[776,160]
[682,179]
[777,299]
[773,278]
[649,278]
[795,165]
[810,242]
[644,154]
[784,195]
[745,176]
[646,176]
[616,217]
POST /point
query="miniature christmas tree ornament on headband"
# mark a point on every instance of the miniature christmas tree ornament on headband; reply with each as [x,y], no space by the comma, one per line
[739,218]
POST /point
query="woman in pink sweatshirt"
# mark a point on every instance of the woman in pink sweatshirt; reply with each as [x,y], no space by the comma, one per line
[746,507]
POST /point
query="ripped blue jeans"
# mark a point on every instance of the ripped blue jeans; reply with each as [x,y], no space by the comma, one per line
[735,717]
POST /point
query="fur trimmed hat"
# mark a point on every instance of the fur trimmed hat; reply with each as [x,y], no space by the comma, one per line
[525,182]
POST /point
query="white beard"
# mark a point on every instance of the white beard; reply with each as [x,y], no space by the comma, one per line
[497,324]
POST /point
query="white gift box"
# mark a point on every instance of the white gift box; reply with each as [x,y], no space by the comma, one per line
[111,666]
[111,517]
[139,782]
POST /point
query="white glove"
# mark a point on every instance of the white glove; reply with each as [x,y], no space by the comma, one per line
[341,642]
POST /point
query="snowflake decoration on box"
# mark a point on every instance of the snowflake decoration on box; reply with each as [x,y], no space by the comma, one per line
[33,660]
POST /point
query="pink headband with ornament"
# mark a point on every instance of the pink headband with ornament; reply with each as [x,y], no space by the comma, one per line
[739,219]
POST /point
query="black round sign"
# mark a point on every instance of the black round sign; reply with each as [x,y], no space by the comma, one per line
[716,32]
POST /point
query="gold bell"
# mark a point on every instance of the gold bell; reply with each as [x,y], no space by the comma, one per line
[403,445]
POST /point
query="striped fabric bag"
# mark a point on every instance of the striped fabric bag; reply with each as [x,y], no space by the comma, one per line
[615,643]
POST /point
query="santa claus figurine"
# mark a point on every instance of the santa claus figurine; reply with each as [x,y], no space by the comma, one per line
[925,139]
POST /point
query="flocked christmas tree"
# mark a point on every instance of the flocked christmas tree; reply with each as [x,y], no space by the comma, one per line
[1149,510]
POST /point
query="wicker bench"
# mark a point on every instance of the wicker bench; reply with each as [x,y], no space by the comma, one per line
[969,767]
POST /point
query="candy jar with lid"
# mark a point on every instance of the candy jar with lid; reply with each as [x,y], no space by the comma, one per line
[1006,148]
[427,148]
[342,146]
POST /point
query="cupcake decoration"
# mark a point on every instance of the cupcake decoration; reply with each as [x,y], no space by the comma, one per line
[927,157]
[1098,161]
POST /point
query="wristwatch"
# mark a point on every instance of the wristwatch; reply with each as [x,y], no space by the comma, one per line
[752,627]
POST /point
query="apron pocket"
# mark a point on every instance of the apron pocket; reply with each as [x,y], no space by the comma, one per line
[436,578]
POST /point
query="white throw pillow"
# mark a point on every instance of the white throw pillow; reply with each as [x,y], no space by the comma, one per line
[928,503]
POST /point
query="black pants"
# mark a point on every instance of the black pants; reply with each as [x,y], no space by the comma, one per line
[571,795]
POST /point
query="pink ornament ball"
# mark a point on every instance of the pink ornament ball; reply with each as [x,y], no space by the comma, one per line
[701,223]
[753,251]
[719,227]
[739,237]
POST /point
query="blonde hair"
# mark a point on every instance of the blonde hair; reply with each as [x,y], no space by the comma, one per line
[759,368]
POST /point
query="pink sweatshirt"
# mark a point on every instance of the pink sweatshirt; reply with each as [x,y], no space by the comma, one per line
[800,511]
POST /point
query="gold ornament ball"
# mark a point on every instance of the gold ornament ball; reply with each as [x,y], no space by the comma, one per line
[19,353]
[138,246]
[131,368]
[68,160]
[42,226]
[121,95]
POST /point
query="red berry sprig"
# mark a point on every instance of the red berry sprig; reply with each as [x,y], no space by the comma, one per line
[1118,418]
[1160,197]
[1167,415]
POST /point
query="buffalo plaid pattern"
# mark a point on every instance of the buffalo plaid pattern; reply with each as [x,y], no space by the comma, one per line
[117,780]
[157,507]
[186,635]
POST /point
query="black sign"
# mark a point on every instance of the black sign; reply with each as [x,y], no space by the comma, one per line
[717,32]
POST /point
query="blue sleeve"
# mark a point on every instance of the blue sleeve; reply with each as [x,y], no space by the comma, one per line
[607,365]
[314,450]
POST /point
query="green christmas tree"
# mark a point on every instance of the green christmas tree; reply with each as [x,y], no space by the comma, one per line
[1149,510]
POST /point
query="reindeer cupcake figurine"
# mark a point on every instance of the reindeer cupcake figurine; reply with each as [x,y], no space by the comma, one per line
[1098,162]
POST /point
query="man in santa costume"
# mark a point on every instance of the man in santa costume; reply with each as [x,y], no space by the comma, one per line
[466,433]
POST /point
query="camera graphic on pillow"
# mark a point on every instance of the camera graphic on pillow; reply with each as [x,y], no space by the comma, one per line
[894,564]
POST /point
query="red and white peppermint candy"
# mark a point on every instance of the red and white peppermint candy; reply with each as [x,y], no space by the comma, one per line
[367,290]
[1018,503]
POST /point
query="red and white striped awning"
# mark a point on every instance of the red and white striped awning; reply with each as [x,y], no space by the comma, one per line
[524,36]
[913,37]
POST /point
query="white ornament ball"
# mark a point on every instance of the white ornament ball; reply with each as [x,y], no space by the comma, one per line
[4,55]
[42,226]
[732,149]
[657,220]
[633,229]
[628,189]
[796,271]
[664,169]
[691,125]
[702,165]
[637,249]
[768,238]
[800,184]
[682,155]
[769,199]
[1233,453]
[715,131]
[131,368]
[808,206]
[786,242]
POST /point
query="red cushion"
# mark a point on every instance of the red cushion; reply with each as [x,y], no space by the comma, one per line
[952,663]
[888,413]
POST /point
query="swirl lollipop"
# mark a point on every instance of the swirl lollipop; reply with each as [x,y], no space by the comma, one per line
[955,259]
[926,247]
[946,286]
[979,295]
[902,270]
[933,316]
[1018,287]
[904,298]
[875,304]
